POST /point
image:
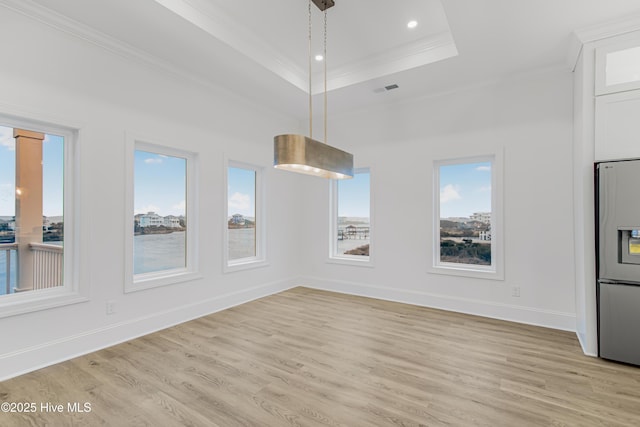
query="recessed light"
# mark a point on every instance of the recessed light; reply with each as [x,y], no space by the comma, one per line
[319,58]
[412,24]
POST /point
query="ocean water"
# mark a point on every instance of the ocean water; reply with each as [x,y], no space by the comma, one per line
[158,252]
[3,271]
[242,243]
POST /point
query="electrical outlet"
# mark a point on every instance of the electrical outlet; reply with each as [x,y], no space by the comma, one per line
[111,307]
[515,291]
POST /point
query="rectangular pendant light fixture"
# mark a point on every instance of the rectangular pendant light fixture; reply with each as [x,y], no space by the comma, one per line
[298,153]
[301,154]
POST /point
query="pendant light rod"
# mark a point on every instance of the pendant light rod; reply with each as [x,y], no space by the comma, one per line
[324,53]
[310,87]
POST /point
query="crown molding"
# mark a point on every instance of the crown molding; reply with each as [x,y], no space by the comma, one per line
[612,28]
[117,47]
[88,34]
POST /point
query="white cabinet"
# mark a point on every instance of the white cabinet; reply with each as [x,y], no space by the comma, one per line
[617,126]
[606,127]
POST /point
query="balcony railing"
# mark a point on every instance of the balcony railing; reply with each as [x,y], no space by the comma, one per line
[47,266]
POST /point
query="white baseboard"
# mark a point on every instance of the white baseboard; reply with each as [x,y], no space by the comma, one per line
[513,313]
[581,339]
[52,352]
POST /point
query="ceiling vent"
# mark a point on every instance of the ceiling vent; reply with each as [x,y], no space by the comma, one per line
[386,88]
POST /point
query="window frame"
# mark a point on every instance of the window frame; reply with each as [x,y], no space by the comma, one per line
[354,260]
[260,258]
[138,282]
[496,270]
[601,53]
[73,290]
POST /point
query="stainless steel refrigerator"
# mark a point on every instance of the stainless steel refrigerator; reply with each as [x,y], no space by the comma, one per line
[618,260]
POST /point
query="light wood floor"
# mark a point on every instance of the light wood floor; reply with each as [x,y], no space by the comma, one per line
[309,358]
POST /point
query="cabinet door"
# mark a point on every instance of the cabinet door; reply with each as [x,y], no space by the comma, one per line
[618,67]
[618,126]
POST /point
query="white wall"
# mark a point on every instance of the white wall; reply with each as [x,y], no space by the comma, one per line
[584,229]
[530,117]
[53,76]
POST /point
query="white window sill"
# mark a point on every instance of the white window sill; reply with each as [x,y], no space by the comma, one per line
[164,278]
[244,264]
[356,260]
[465,270]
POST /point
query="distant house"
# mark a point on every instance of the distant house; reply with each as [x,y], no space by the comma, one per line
[237,219]
[171,221]
[151,219]
[482,217]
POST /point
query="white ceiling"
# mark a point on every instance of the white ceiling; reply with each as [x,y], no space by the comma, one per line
[275,34]
[258,48]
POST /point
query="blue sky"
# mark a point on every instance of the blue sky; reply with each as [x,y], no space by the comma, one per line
[354,195]
[241,192]
[160,184]
[465,189]
[53,162]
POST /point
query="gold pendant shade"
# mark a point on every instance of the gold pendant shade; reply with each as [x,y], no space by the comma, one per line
[298,153]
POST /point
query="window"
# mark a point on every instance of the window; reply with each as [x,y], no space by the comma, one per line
[351,223]
[623,66]
[244,221]
[467,227]
[37,231]
[618,67]
[161,236]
